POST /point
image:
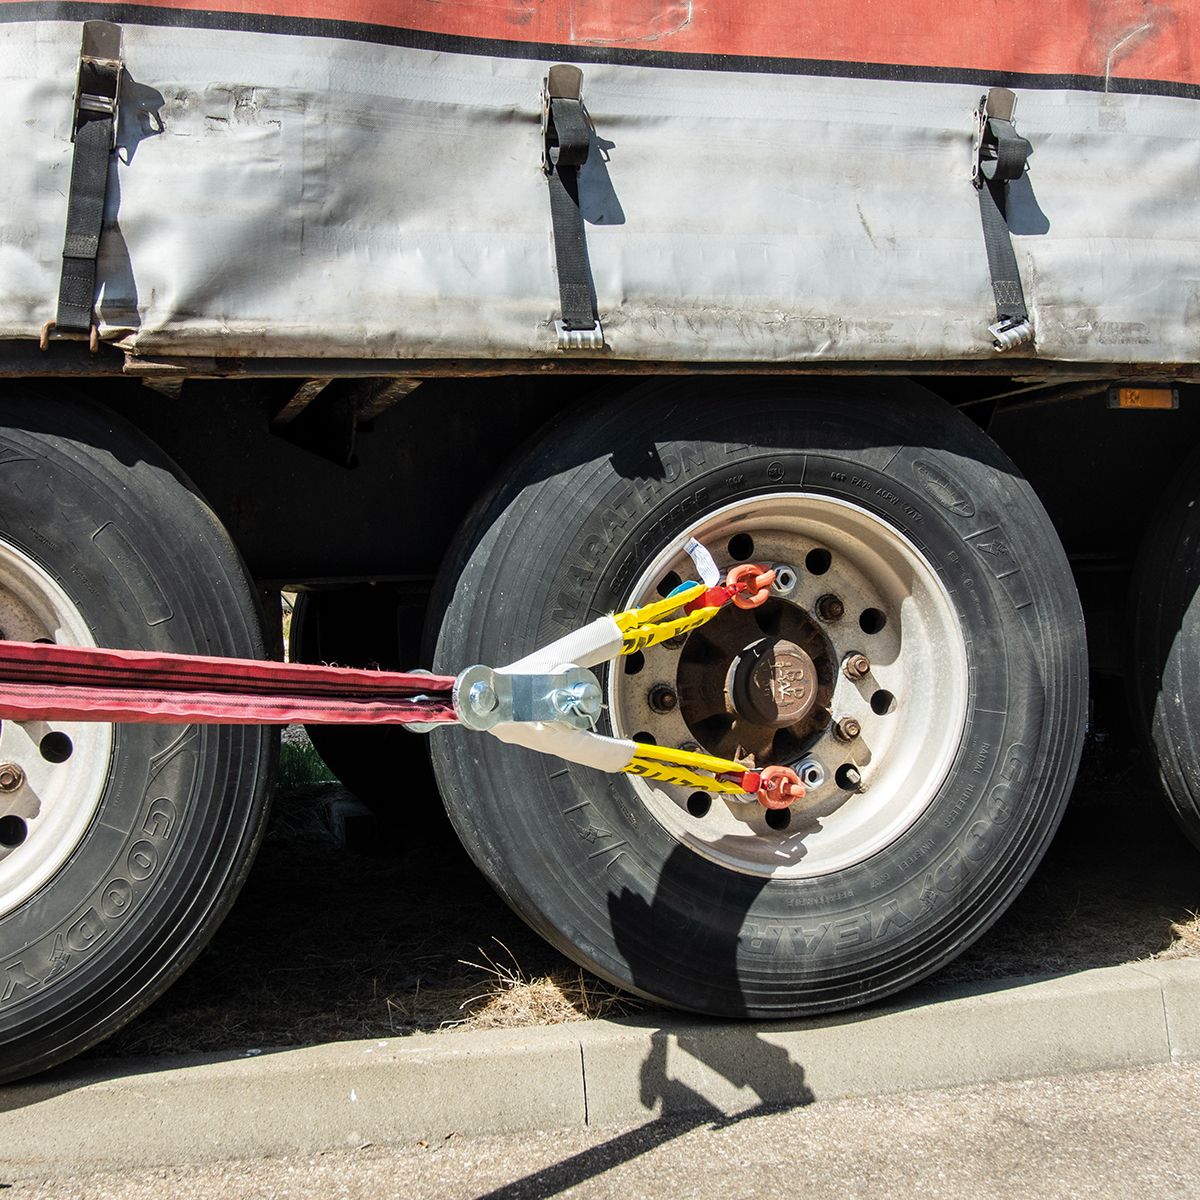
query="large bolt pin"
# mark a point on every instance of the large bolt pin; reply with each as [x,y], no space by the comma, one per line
[11,777]
[662,698]
[579,700]
[847,729]
[856,666]
[830,608]
[482,697]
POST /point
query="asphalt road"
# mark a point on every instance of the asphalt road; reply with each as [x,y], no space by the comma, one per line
[1112,1134]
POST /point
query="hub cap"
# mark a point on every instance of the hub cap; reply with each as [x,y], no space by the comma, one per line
[772,682]
[56,770]
[777,684]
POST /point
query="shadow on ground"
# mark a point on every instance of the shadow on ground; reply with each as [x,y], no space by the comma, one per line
[327,943]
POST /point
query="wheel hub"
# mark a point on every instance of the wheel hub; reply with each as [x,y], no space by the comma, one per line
[756,684]
[771,682]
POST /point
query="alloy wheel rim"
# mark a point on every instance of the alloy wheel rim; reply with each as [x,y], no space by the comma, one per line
[52,773]
[909,704]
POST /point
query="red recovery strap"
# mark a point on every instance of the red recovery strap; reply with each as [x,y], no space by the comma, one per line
[68,683]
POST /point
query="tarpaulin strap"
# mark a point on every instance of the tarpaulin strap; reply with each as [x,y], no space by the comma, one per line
[68,683]
[1001,155]
[566,138]
[94,132]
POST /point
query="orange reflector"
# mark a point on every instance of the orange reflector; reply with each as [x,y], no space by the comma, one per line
[1143,397]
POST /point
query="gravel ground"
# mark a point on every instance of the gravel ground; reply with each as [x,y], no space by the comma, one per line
[328,943]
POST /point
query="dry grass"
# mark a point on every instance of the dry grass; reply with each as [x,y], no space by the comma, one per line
[1185,938]
[513,999]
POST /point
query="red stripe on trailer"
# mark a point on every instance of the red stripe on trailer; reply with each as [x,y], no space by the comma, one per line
[1128,39]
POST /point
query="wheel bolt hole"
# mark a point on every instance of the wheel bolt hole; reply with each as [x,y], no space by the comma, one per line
[13,831]
[698,804]
[647,739]
[882,703]
[56,747]
[668,583]
[848,777]
[818,561]
[779,818]
[871,620]
[634,662]
[830,607]
[741,546]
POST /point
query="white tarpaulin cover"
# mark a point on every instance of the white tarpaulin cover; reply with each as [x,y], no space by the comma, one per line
[283,194]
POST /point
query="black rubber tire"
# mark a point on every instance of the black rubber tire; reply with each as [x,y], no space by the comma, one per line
[387,768]
[1166,645]
[573,852]
[183,808]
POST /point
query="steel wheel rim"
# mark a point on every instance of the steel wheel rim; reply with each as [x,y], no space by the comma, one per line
[63,765]
[918,658]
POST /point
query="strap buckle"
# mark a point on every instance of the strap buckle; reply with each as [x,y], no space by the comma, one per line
[562,82]
[51,332]
[98,80]
[579,339]
[1010,333]
[997,103]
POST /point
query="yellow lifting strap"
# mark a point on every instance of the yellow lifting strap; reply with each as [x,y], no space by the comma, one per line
[683,767]
[641,627]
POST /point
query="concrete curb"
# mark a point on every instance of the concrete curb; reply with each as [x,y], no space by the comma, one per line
[158,1112]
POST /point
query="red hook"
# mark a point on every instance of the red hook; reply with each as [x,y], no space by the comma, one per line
[779,787]
[750,584]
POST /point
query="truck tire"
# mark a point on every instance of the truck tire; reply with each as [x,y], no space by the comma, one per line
[1166,645]
[123,845]
[948,575]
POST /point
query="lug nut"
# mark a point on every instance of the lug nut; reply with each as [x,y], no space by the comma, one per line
[830,608]
[847,729]
[662,698]
[11,777]
[786,579]
[856,666]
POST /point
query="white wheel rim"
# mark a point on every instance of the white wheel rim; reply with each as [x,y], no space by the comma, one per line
[44,819]
[905,750]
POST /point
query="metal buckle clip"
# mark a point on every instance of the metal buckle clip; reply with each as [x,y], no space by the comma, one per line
[1008,334]
[997,102]
[579,339]
[562,82]
[50,331]
[98,80]
[571,697]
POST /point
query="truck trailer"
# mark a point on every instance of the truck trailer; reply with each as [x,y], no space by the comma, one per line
[465,321]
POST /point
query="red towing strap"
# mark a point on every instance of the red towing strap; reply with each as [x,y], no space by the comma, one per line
[69,683]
